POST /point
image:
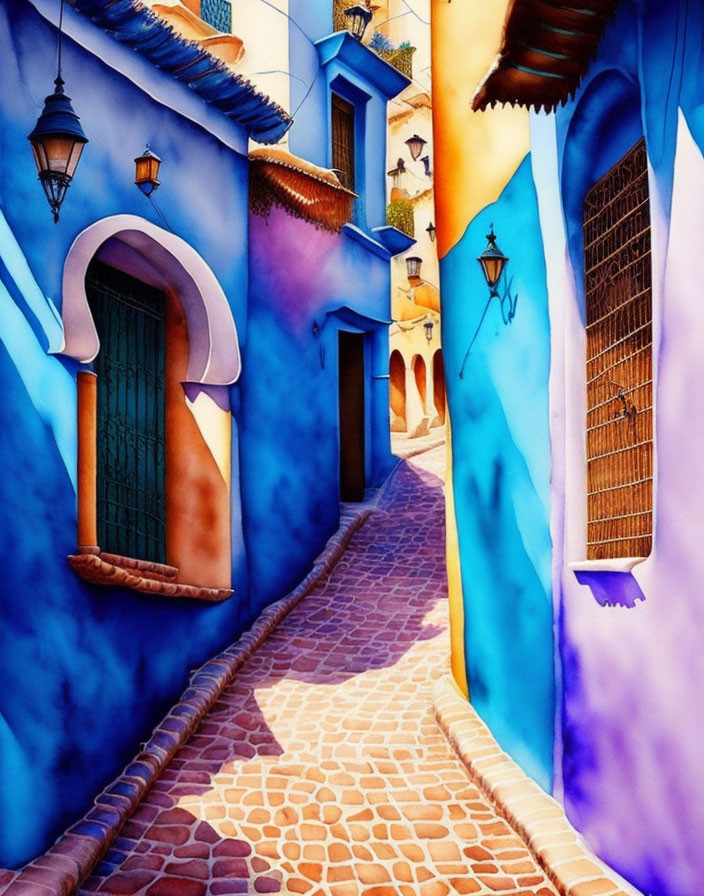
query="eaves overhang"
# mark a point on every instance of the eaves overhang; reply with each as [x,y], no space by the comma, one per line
[379,74]
[545,51]
[135,25]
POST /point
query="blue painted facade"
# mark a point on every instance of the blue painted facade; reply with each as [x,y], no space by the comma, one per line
[87,671]
[501,476]
[303,278]
[622,676]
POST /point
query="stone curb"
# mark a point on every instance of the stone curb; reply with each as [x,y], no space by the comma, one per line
[68,863]
[538,819]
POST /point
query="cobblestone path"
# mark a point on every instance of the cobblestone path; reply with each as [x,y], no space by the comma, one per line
[321,769]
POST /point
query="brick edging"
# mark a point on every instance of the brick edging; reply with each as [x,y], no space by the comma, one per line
[537,818]
[60,870]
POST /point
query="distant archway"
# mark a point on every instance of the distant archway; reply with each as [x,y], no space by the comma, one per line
[397,391]
[420,374]
[439,396]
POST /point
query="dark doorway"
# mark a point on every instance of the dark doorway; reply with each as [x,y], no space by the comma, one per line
[129,317]
[351,362]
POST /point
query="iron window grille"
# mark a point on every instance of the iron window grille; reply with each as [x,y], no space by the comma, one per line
[619,430]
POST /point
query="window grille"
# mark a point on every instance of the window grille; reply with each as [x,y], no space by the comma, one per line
[343,141]
[129,317]
[217,13]
[617,267]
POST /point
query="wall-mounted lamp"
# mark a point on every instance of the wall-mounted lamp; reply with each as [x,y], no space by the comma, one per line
[57,140]
[413,263]
[146,174]
[358,17]
[493,263]
[430,230]
[415,145]
[428,327]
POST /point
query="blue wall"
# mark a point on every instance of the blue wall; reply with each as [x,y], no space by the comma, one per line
[86,672]
[501,477]
[290,408]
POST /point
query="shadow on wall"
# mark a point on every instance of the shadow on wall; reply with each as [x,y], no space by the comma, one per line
[612,589]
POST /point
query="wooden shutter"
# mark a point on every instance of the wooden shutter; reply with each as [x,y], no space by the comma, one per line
[343,140]
[619,361]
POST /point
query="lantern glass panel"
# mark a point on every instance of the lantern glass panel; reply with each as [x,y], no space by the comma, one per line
[493,265]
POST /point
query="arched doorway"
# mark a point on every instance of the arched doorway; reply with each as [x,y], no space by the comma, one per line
[420,375]
[397,391]
[155,429]
[439,396]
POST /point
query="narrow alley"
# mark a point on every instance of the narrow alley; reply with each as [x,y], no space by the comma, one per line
[322,770]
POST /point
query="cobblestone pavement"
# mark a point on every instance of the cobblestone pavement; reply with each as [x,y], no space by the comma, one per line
[321,770]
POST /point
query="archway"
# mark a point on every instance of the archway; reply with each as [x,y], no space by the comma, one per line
[397,391]
[127,260]
[439,396]
[420,374]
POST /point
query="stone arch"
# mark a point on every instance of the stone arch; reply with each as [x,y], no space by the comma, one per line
[161,259]
[397,391]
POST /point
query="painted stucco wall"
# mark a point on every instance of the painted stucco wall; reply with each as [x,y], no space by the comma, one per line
[632,714]
[500,476]
[86,671]
[298,276]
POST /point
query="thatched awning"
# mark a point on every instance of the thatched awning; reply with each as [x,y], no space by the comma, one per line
[546,48]
[303,189]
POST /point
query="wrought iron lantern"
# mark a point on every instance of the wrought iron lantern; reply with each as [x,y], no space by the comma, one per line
[57,143]
[430,230]
[146,174]
[413,263]
[428,327]
[57,139]
[415,146]
[493,262]
[358,17]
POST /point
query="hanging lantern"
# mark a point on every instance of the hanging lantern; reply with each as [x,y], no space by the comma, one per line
[493,261]
[428,327]
[146,174]
[413,264]
[57,143]
[415,146]
[395,175]
[430,230]
[358,17]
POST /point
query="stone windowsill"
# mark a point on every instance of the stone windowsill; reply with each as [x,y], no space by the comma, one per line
[140,575]
[612,564]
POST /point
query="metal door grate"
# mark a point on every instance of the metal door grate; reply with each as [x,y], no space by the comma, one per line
[619,361]
[129,317]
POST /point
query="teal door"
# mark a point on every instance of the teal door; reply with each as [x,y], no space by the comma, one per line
[129,317]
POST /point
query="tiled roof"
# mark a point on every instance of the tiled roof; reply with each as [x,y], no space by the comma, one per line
[133,24]
[303,189]
[545,51]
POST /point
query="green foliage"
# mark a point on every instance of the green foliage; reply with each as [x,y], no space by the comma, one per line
[399,214]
